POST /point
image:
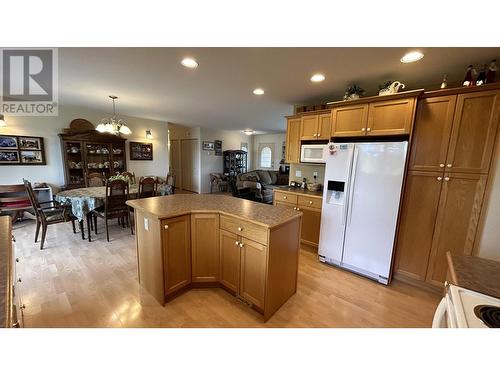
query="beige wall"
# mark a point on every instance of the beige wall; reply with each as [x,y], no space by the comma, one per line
[307,171]
[489,245]
[50,127]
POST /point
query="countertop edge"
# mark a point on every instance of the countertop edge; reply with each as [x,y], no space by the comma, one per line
[315,194]
[201,211]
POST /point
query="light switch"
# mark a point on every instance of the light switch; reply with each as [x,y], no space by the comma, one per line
[298,173]
[146,224]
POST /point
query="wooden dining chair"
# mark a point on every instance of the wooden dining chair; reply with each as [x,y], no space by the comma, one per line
[130,175]
[48,213]
[117,193]
[94,179]
[148,187]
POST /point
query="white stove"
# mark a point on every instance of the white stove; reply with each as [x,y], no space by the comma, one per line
[464,308]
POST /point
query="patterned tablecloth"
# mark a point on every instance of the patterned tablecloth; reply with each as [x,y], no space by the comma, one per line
[85,200]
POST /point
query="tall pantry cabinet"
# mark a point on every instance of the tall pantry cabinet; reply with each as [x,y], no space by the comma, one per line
[452,147]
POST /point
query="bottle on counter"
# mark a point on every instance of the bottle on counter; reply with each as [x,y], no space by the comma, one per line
[468,79]
[492,69]
[304,183]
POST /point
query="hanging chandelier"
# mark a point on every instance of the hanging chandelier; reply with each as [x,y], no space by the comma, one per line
[112,125]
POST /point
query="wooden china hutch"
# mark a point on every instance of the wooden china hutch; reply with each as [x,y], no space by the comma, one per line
[85,150]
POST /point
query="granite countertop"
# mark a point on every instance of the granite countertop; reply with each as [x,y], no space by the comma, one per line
[478,274]
[181,204]
[300,191]
[5,271]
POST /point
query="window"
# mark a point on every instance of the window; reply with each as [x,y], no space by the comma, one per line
[266,156]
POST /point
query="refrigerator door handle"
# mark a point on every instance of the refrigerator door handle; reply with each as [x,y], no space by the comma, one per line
[352,181]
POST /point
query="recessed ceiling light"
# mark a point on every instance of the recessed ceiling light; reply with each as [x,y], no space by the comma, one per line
[190,63]
[318,77]
[412,57]
[248,131]
[258,91]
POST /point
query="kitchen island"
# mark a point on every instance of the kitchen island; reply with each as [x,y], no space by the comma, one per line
[250,249]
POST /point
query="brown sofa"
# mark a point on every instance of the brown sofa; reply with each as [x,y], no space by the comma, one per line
[261,182]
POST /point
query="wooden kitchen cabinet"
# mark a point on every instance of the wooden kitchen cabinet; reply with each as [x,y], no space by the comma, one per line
[229,260]
[324,125]
[431,135]
[253,271]
[475,126]
[292,147]
[177,253]
[417,222]
[309,127]
[391,117]
[311,221]
[456,222]
[349,121]
[205,255]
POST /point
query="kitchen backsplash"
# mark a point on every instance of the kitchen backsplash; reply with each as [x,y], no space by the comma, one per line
[307,171]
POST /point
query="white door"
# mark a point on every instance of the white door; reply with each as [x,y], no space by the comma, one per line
[190,165]
[175,162]
[335,194]
[376,181]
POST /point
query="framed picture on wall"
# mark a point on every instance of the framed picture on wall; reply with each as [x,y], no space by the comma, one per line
[21,150]
[141,151]
[218,148]
[208,146]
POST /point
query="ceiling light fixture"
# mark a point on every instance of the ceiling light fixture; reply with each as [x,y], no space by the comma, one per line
[412,57]
[189,62]
[248,131]
[258,91]
[318,77]
[112,125]
[3,124]
[149,135]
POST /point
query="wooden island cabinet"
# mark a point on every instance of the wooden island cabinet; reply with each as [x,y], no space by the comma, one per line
[250,249]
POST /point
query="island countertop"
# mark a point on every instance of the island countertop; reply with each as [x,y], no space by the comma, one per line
[165,207]
[478,274]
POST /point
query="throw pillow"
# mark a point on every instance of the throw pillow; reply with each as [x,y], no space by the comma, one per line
[265,178]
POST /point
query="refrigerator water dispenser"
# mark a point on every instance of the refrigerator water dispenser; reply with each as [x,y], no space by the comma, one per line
[335,192]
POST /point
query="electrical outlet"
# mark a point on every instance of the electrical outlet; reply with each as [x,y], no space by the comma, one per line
[315,174]
[298,173]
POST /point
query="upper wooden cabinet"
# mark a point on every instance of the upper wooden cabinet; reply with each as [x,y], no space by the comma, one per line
[349,121]
[205,248]
[391,117]
[315,127]
[292,148]
[431,134]
[177,253]
[374,116]
[475,125]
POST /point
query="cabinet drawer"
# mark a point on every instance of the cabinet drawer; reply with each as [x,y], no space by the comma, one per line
[314,202]
[285,197]
[244,228]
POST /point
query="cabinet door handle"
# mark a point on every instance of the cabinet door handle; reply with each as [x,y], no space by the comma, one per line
[368,129]
[284,196]
[441,165]
[237,243]
[439,178]
[166,226]
[298,209]
[449,165]
[241,244]
[240,229]
[363,129]
[447,178]
[310,202]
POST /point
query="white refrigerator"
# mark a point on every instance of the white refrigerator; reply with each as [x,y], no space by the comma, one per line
[361,196]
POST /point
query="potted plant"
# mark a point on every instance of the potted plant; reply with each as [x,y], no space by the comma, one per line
[353,92]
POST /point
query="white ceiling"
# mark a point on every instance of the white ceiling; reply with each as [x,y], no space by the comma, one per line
[151,83]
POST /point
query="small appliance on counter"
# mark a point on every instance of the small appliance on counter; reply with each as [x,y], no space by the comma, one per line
[464,308]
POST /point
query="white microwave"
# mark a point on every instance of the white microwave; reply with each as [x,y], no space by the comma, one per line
[313,153]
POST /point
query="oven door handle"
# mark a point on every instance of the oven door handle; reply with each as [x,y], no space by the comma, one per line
[439,320]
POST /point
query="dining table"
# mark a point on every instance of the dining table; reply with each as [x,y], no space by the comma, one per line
[84,200]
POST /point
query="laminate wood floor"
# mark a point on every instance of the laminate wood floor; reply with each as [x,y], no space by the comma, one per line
[74,283]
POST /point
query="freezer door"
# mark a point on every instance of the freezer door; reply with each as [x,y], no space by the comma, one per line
[373,206]
[334,209]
